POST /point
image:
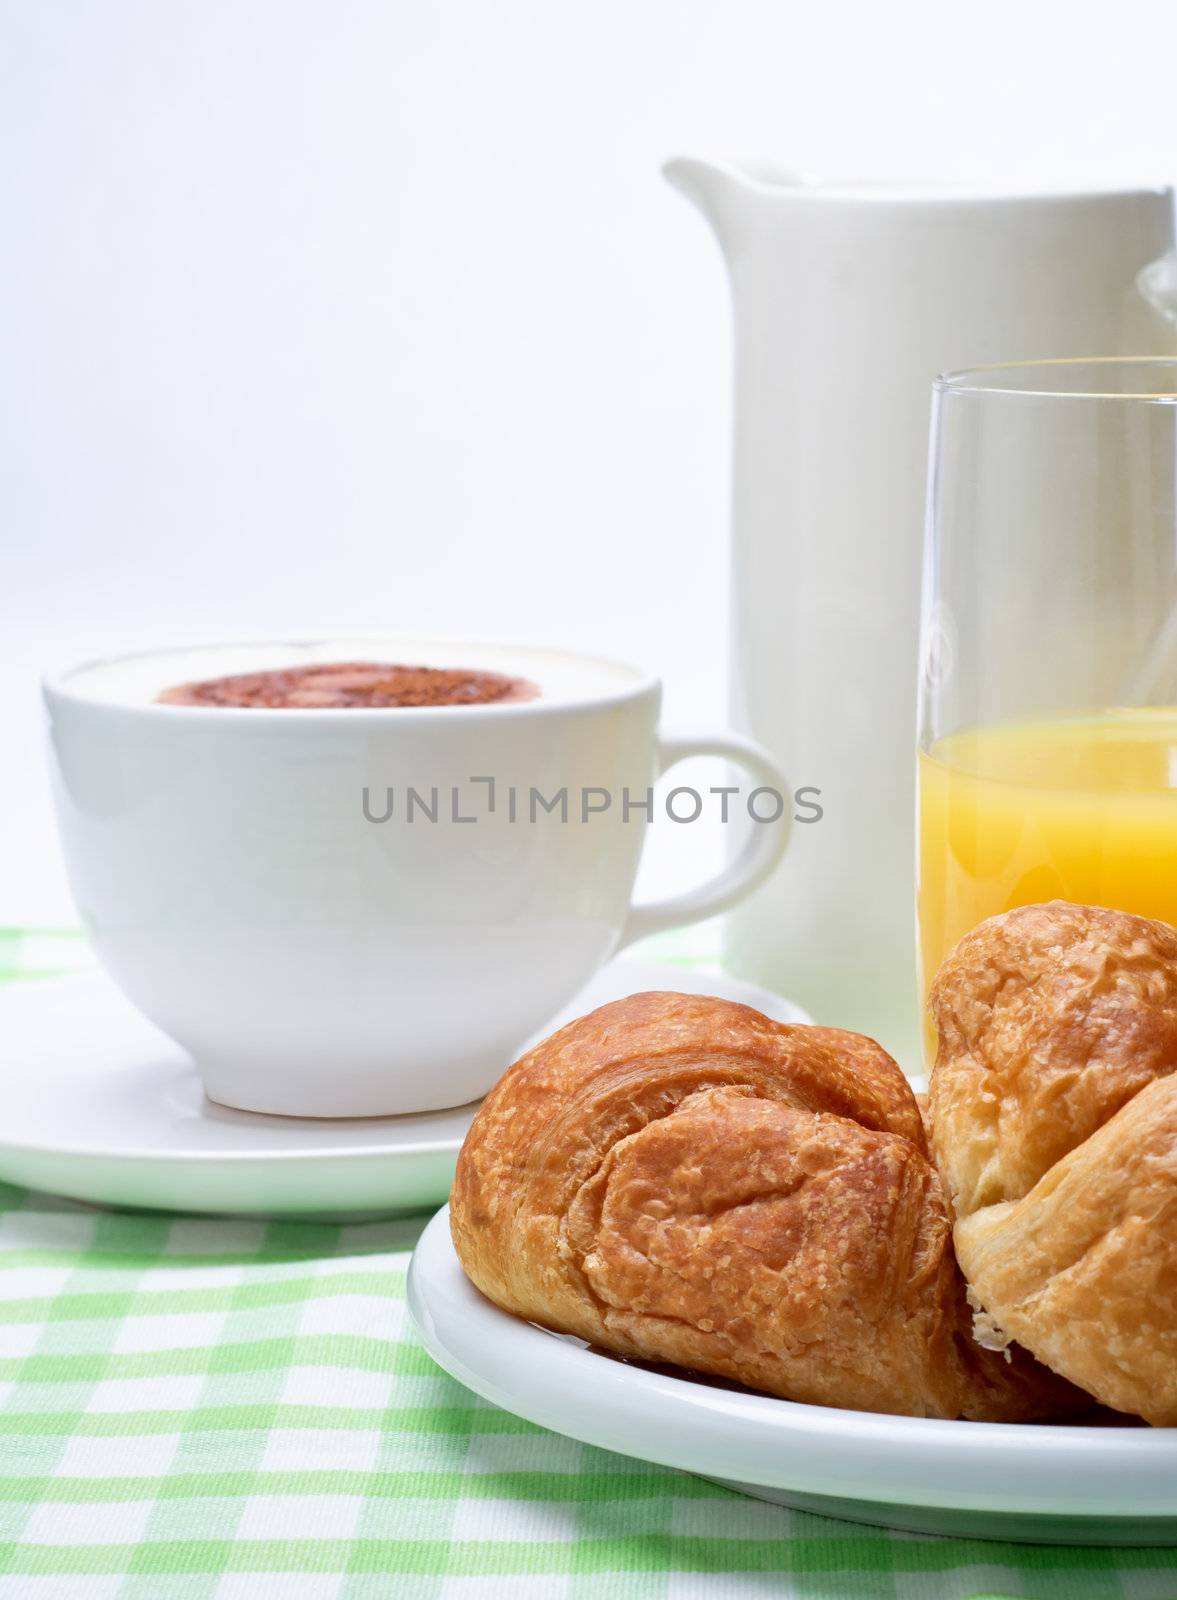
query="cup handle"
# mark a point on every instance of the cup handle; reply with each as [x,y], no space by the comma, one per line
[762,850]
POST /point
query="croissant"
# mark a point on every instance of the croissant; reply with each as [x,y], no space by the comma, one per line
[679,1179]
[1053,1107]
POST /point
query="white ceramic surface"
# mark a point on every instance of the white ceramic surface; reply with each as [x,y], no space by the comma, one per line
[1044,1484]
[98,1104]
[244,881]
[848,299]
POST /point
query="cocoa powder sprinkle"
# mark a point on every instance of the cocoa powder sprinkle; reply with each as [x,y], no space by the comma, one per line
[336,685]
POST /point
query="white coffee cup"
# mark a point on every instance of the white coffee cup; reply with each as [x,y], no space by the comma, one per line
[242,883]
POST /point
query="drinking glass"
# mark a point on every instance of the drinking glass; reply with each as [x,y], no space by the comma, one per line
[1048,664]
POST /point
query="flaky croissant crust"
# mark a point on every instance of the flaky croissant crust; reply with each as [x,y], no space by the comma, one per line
[1053,1108]
[679,1179]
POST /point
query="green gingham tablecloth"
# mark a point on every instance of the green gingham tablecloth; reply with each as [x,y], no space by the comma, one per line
[216,1409]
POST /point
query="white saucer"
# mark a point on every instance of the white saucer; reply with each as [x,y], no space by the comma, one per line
[97,1104]
[1043,1484]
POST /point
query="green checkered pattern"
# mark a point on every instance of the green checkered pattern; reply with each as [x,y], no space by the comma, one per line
[208,1409]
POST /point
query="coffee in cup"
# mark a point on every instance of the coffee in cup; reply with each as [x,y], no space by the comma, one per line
[345,906]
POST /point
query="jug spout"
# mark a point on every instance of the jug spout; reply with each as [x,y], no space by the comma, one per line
[733,195]
[719,189]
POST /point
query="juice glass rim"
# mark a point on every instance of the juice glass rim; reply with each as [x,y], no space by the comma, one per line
[1032,380]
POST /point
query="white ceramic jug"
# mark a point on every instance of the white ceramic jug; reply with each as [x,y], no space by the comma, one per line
[849,298]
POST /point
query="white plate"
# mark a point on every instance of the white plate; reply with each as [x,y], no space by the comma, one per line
[97,1104]
[1043,1484]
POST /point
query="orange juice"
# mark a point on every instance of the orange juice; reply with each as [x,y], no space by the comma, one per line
[1075,808]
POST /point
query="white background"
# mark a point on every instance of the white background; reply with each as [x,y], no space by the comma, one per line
[330,314]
